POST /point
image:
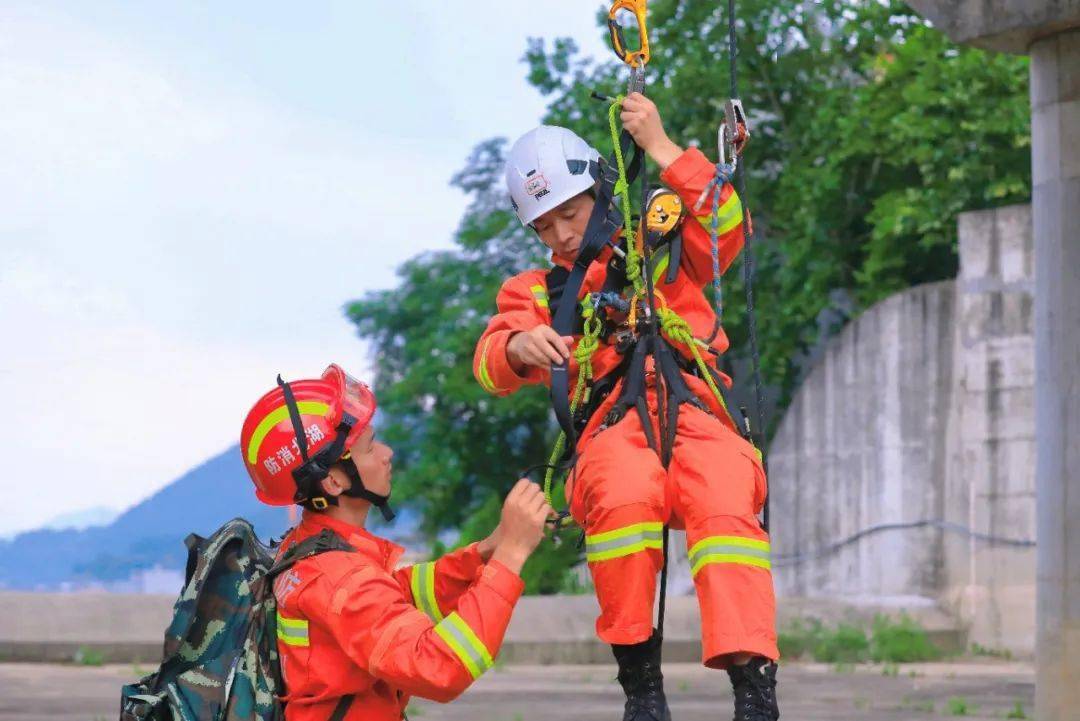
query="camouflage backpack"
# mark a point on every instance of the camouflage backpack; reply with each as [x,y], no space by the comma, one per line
[220,661]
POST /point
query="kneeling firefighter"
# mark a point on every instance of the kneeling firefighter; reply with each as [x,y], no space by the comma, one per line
[356,637]
[621,491]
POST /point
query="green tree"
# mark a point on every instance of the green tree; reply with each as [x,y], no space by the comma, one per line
[458,449]
[871,132]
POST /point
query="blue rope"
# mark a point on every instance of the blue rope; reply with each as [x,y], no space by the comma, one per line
[724,174]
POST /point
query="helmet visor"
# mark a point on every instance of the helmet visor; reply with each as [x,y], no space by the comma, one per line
[356,397]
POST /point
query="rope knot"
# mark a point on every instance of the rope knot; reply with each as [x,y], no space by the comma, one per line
[585,349]
[725,172]
[674,326]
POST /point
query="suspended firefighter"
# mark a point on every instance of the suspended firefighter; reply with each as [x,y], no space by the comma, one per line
[357,638]
[622,491]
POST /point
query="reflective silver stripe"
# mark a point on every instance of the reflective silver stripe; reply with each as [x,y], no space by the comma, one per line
[423,590]
[728,216]
[465,644]
[624,541]
[540,295]
[292,631]
[729,549]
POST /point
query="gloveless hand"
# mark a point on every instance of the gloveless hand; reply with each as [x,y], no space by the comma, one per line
[524,514]
[538,347]
[641,118]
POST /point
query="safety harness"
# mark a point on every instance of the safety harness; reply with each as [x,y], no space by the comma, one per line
[309,475]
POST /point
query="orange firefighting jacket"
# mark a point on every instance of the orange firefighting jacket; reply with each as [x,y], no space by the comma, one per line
[348,623]
[523,299]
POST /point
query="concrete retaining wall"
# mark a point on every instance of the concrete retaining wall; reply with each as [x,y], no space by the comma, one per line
[921,411]
[126,628]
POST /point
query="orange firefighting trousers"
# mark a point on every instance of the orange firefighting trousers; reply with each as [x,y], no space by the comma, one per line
[714,487]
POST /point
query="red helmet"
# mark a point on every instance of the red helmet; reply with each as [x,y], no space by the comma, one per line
[294,433]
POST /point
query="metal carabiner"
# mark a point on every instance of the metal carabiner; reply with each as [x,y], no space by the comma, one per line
[733,134]
[639,58]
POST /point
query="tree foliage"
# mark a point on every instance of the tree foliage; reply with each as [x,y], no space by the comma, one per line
[871,132]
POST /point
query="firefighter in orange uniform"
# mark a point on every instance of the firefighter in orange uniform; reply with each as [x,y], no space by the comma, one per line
[356,637]
[620,493]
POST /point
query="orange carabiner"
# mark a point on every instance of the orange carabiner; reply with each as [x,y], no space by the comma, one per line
[640,57]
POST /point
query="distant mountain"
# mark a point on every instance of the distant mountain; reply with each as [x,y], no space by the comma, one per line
[79,520]
[151,534]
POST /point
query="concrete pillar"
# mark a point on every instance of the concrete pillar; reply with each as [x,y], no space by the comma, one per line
[1048,31]
[1055,104]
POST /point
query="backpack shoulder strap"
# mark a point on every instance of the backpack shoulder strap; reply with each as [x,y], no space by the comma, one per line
[326,540]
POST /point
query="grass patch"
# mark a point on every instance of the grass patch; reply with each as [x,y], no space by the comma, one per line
[88,657]
[1017,711]
[1001,653]
[798,640]
[900,641]
[959,706]
[845,644]
[888,641]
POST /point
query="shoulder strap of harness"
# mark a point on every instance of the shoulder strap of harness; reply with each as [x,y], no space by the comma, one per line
[604,222]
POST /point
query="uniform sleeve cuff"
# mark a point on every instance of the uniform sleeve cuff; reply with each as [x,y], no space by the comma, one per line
[691,169]
[470,555]
[505,373]
[493,368]
[503,581]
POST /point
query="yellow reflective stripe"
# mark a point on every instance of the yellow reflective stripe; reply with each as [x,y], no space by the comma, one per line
[485,377]
[729,215]
[626,531]
[465,644]
[729,549]
[423,590]
[292,631]
[624,541]
[541,295]
[306,408]
[661,265]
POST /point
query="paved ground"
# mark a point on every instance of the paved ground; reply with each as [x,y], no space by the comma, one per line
[809,692]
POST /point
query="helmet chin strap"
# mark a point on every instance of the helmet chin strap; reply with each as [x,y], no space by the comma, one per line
[315,468]
[357,489]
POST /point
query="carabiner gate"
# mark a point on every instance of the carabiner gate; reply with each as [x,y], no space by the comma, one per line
[734,133]
[639,58]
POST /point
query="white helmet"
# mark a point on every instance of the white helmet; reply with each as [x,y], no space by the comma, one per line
[546,167]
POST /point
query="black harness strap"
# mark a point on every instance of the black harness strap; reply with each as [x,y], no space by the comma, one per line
[342,707]
[604,222]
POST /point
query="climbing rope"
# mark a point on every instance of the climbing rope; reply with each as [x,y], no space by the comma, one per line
[622,190]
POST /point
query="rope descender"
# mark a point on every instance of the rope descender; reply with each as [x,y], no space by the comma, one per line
[734,133]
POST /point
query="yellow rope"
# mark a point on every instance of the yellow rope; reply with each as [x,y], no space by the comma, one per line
[622,189]
[679,331]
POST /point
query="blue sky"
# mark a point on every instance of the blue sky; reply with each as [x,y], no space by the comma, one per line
[190,192]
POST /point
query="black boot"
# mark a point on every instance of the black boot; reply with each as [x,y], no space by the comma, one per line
[755,690]
[639,674]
